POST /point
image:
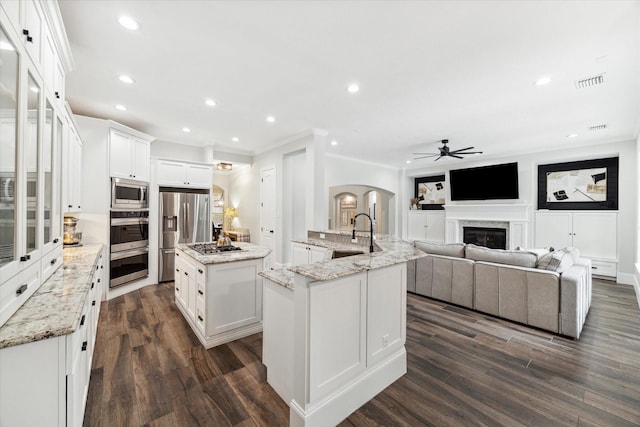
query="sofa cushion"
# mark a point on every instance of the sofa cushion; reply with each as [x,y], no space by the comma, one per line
[559,260]
[501,256]
[538,252]
[446,249]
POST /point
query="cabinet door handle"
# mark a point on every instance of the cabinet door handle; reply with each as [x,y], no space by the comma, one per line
[82,320]
[92,285]
[30,39]
[25,32]
[177,270]
[200,318]
[53,261]
[99,280]
[186,274]
[57,95]
[69,206]
[177,288]
[84,346]
[200,271]
[56,240]
[93,303]
[594,268]
[21,289]
[200,292]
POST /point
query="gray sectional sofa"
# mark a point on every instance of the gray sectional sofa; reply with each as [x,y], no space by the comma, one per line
[551,291]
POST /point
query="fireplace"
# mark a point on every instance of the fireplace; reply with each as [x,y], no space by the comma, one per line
[494,238]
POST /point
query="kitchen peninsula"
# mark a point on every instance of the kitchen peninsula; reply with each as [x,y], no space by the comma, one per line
[340,323]
[220,293]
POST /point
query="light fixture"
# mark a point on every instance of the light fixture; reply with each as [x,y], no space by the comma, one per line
[34,89]
[334,142]
[543,81]
[408,161]
[271,119]
[572,135]
[224,166]
[129,23]
[186,130]
[126,79]
[210,102]
[235,139]
[121,107]
[353,88]
[5,45]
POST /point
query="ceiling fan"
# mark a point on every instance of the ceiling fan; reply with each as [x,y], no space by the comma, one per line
[446,152]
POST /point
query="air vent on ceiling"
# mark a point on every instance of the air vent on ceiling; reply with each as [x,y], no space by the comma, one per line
[591,81]
[597,127]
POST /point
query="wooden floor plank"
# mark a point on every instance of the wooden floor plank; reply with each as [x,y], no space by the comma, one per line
[464,368]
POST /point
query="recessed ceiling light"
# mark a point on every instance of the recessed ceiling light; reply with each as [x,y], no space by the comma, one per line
[572,135]
[210,102]
[543,81]
[408,161]
[35,89]
[187,130]
[353,88]
[5,45]
[235,139]
[121,107]
[271,119]
[126,79]
[129,23]
[334,142]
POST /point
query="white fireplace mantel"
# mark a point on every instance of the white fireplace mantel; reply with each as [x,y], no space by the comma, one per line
[516,215]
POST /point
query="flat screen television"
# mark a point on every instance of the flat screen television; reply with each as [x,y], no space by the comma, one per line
[485,183]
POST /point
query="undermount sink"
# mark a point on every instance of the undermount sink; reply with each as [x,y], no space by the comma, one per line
[341,253]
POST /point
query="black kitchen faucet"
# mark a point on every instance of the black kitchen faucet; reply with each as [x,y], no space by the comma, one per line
[353,234]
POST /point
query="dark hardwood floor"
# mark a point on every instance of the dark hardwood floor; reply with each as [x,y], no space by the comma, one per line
[464,369]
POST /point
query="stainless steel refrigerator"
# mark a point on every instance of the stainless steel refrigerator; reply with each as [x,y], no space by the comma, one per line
[184,217]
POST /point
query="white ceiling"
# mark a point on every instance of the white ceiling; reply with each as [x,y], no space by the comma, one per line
[462,70]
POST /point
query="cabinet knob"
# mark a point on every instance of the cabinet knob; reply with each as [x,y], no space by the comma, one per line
[92,285]
[57,95]
[200,292]
[84,346]
[93,303]
[53,261]
[69,206]
[186,274]
[56,240]
[200,271]
[177,270]
[25,32]
[82,320]
[200,318]
[30,39]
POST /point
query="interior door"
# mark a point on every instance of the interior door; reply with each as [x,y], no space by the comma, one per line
[268,208]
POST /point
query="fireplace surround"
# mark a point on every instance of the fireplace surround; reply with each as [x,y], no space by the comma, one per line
[490,237]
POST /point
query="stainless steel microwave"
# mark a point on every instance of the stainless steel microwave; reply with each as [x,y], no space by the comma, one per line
[129,194]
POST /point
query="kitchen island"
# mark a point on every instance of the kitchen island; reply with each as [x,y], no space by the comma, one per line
[340,323]
[220,294]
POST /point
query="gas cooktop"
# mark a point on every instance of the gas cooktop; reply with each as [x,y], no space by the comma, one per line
[212,248]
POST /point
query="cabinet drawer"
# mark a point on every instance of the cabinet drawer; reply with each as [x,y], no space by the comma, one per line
[604,268]
[200,317]
[50,263]
[15,291]
[78,341]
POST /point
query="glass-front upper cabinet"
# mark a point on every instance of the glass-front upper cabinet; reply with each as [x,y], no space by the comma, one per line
[8,150]
[47,165]
[32,132]
[56,215]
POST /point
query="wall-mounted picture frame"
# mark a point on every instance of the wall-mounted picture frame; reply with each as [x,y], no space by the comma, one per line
[430,192]
[580,185]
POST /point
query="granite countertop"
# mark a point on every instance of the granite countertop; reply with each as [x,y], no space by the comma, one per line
[280,276]
[249,251]
[391,251]
[54,309]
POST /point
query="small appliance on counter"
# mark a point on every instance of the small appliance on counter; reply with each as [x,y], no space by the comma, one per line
[71,237]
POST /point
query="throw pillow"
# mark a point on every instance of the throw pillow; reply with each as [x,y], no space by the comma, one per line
[557,261]
[446,249]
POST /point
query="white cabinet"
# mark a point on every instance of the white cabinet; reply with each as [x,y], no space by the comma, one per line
[45,382]
[129,156]
[306,254]
[177,174]
[426,226]
[222,302]
[593,233]
[72,171]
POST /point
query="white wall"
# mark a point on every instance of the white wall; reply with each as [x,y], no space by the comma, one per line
[177,152]
[293,201]
[527,169]
[637,180]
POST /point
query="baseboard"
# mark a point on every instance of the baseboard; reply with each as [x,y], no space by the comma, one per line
[351,397]
[626,279]
[118,291]
[636,283]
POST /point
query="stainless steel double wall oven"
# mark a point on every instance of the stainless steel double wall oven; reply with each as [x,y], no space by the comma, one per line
[129,232]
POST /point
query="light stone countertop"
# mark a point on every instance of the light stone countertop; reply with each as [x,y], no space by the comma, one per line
[392,251]
[54,309]
[249,251]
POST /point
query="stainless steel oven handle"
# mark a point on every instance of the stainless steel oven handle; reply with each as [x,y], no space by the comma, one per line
[129,221]
[128,253]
